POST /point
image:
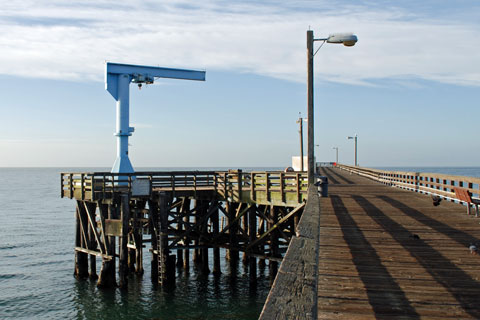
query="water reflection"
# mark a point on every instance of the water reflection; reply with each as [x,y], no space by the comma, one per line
[195,295]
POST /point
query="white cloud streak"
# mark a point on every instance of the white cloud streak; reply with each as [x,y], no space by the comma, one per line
[60,40]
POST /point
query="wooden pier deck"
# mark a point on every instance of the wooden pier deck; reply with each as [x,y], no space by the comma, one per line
[387,253]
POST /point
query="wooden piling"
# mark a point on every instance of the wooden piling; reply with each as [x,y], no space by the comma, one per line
[123,260]
[186,252]
[273,265]
[252,234]
[231,210]
[138,237]
[81,258]
[204,232]
[164,259]
[92,243]
[180,212]
[261,230]
[153,226]
[245,221]
[216,250]
[107,278]
[196,252]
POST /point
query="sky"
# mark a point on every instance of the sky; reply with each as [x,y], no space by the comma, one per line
[409,88]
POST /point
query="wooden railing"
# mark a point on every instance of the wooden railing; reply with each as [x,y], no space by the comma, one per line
[266,187]
[429,183]
[97,185]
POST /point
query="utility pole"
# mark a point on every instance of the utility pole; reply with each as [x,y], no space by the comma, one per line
[300,122]
[310,141]
[336,148]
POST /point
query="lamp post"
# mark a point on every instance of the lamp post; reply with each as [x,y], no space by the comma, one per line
[355,147]
[336,148]
[345,39]
[300,131]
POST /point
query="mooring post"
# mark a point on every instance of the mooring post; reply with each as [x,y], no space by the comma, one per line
[252,235]
[216,250]
[107,272]
[153,225]
[81,258]
[123,261]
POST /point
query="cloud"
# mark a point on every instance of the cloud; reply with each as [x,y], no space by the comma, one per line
[265,38]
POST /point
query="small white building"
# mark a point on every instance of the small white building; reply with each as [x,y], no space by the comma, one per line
[296,165]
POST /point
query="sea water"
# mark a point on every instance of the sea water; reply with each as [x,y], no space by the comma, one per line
[37,236]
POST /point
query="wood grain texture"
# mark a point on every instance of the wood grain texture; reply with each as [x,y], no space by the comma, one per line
[387,253]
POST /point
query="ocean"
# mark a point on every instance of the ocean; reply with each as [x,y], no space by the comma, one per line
[37,260]
[37,264]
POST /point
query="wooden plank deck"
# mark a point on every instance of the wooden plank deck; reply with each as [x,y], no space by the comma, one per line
[387,253]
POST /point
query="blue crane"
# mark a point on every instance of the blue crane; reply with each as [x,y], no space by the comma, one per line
[117,81]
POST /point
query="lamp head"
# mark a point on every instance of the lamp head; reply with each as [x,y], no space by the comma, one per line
[348,39]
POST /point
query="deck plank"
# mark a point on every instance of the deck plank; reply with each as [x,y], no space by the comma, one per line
[372,266]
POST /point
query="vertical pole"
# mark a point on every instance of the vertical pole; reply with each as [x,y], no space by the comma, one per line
[81,258]
[180,210]
[310,140]
[300,122]
[216,250]
[92,243]
[261,230]
[122,163]
[107,272]
[356,163]
[273,265]
[196,252]
[245,228]
[252,235]
[186,252]
[123,261]
[166,263]
[204,231]
[153,225]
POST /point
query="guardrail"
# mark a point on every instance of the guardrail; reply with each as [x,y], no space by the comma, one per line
[429,183]
[256,186]
[96,185]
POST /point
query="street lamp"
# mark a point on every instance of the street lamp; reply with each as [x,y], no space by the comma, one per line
[336,148]
[355,147]
[347,40]
[300,131]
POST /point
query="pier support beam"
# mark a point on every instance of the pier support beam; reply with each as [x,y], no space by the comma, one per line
[81,258]
[107,277]
[123,261]
[252,234]
[216,250]
[153,225]
[273,265]
[186,219]
[92,243]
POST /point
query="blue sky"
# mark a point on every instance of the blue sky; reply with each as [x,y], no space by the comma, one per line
[409,88]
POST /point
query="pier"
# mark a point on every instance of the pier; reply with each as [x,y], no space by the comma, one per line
[254,213]
[384,251]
